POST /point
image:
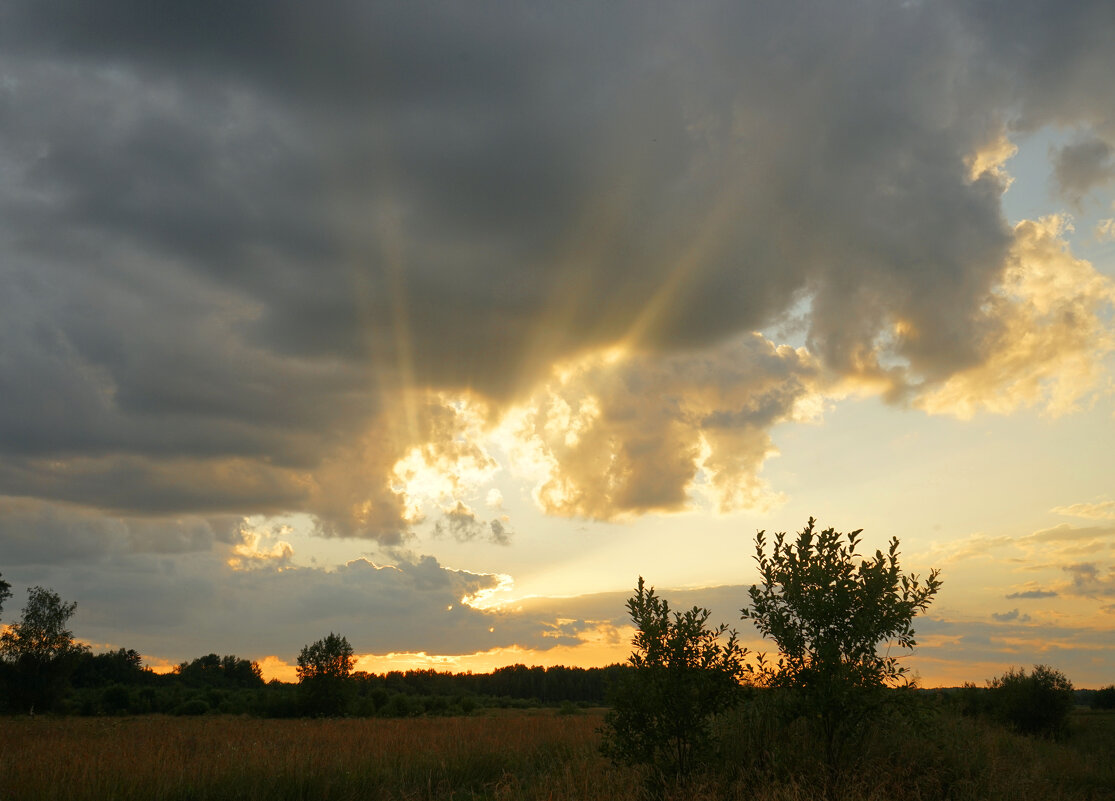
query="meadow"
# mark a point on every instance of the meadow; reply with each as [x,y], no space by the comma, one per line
[536,754]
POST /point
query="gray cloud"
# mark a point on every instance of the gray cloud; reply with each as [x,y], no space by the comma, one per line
[231,237]
[1050,56]
[501,534]
[1090,580]
[1012,616]
[37,533]
[955,646]
[1031,594]
[463,525]
[1081,166]
[196,603]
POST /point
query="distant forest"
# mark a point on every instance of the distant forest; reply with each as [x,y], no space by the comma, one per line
[116,683]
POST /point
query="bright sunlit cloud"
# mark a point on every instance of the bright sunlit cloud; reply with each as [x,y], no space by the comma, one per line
[1049,332]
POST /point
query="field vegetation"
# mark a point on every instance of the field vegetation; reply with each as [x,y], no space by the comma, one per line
[533,754]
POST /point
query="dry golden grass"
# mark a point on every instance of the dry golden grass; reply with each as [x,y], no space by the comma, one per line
[155,758]
[535,755]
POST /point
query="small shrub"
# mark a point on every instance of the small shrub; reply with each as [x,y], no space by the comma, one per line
[683,676]
[1039,703]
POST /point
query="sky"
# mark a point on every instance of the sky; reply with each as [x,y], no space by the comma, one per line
[437,325]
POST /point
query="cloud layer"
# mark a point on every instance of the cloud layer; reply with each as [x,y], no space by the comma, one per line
[239,245]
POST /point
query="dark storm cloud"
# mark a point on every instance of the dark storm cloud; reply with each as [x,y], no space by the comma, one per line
[231,233]
[38,533]
[1053,56]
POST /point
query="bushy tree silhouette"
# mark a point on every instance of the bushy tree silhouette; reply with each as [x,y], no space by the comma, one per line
[1038,703]
[685,672]
[829,610]
[39,652]
[220,671]
[324,669]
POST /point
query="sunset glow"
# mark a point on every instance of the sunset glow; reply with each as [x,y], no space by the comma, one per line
[437,327]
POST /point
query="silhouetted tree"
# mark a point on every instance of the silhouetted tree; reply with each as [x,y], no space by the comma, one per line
[829,610]
[5,592]
[228,672]
[122,666]
[324,669]
[39,652]
[684,674]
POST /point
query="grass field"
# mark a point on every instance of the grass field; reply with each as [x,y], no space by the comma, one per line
[537,755]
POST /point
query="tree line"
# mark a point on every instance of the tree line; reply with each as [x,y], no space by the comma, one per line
[43,669]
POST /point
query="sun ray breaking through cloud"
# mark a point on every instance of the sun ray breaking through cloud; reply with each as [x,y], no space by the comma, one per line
[303,307]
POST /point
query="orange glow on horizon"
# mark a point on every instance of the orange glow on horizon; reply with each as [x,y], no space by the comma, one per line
[274,668]
[930,672]
[159,666]
[586,655]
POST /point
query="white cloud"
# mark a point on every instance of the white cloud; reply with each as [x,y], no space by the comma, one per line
[261,549]
[1047,333]
[1101,510]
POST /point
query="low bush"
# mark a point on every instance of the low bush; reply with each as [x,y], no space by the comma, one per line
[1038,703]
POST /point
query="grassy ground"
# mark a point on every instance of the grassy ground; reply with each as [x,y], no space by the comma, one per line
[942,756]
[525,756]
[156,758]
